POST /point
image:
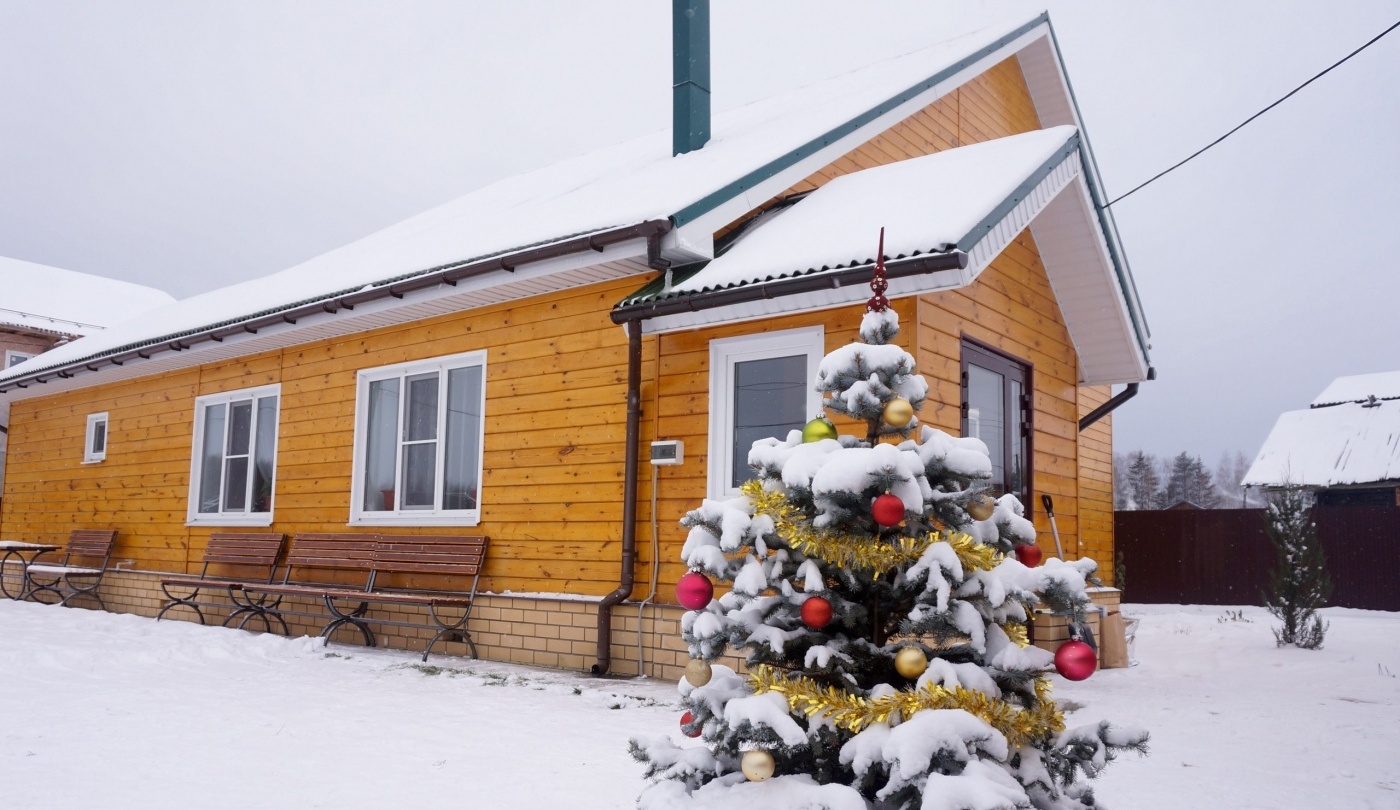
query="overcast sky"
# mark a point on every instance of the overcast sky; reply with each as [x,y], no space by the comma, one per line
[189,145]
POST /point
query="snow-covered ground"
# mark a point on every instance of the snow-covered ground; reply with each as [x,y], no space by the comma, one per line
[114,711]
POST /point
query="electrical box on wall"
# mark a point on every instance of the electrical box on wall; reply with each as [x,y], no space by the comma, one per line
[667,453]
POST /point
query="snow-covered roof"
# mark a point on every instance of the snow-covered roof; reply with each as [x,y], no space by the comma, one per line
[930,204]
[972,199]
[1360,387]
[756,151]
[1347,444]
[51,299]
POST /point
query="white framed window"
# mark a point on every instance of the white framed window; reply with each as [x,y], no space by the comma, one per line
[95,438]
[419,430]
[14,358]
[233,465]
[760,386]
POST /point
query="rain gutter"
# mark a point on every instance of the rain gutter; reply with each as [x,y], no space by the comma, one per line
[777,288]
[1112,404]
[629,500]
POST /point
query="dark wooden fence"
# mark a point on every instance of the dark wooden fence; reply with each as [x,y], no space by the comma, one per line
[1223,556]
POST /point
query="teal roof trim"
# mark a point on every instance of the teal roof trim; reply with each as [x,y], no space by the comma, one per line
[773,167]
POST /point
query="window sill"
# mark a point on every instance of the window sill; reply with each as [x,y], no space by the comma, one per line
[472,519]
[259,519]
[94,460]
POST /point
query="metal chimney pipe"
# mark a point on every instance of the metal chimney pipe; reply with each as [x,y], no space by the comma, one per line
[690,75]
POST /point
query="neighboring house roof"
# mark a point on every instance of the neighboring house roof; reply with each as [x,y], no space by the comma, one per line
[54,301]
[1356,442]
[609,214]
[1359,388]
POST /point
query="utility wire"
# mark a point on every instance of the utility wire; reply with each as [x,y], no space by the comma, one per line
[1200,151]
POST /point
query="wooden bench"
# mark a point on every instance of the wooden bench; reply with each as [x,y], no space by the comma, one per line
[240,558]
[370,558]
[66,579]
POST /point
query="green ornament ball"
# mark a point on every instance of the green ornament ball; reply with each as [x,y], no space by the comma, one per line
[818,429]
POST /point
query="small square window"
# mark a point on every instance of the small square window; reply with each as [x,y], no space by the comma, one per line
[95,443]
[761,386]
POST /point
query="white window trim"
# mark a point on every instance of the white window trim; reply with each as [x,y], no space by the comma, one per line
[89,455]
[11,354]
[415,517]
[194,517]
[724,354]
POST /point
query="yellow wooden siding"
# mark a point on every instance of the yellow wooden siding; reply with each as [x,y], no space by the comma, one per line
[1096,483]
[992,105]
[555,414]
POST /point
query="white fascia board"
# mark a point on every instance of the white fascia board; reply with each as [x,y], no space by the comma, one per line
[1086,287]
[702,228]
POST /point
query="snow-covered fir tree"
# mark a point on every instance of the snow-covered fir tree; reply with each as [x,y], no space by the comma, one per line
[1298,585]
[876,591]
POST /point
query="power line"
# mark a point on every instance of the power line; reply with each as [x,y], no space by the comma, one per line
[1202,150]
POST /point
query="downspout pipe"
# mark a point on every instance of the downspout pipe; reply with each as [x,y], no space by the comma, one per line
[1110,406]
[629,500]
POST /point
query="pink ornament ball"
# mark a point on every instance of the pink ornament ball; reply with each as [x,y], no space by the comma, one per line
[1029,555]
[694,591]
[888,510]
[1075,660]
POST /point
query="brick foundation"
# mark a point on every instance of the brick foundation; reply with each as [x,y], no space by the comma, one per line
[560,632]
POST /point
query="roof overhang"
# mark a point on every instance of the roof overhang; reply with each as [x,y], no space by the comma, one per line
[513,275]
[1047,193]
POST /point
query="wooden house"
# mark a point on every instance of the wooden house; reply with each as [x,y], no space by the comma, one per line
[42,307]
[501,365]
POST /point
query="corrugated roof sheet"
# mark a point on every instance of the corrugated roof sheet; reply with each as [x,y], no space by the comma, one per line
[929,204]
[1360,387]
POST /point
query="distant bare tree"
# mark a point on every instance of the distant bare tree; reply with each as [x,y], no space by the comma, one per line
[1229,477]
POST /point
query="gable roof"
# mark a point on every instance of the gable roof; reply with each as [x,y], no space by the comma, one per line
[64,302]
[607,214]
[1349,436]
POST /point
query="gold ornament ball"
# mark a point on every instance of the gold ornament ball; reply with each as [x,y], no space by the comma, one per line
[818,429]
[898,412]
[757,765]
[910,662]
[698,672]
[981,507]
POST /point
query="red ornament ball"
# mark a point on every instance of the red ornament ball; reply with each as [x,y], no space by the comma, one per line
[687,719]
[816,612]
[1029,555]
[887,510]
[694,591]
[1076,660]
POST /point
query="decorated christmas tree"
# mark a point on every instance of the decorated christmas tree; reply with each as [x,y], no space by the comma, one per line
[881,598]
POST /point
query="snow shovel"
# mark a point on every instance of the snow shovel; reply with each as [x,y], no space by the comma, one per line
[1050,510]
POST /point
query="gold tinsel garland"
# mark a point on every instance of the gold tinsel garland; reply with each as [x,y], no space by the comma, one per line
[854,712]
[861,552]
